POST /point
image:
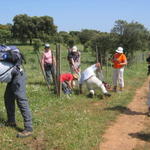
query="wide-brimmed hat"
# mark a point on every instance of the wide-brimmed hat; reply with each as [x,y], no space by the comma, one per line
[74,49]
[119,50]
[76,76]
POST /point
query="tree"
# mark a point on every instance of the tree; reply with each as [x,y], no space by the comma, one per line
[119,27]
[105,44]
[87,35]
[26,28]
[67,38]
[5,33]
[132,36]
[75,36]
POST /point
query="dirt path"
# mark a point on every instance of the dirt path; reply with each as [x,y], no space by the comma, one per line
[119,135]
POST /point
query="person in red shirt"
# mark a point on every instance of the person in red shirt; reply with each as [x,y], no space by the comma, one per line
[67,80]
[119,61]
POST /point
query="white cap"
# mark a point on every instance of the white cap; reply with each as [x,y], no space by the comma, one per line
[74,49]
[119,50]
[47,46]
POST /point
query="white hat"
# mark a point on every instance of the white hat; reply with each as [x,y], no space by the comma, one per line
[47,46]
[74,49]
[119,50]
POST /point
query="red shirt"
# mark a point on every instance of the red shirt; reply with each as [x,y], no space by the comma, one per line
[66,77]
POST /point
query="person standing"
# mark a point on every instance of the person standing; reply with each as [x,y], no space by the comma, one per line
[12,73]
[119,61]
[89,77]
[74,57]
[48,64]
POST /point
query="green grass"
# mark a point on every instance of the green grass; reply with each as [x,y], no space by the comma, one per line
[67,124]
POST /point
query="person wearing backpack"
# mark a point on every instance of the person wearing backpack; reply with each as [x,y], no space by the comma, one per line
[119,61]
[48,63]
[12,73]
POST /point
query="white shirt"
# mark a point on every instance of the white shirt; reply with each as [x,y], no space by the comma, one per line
[87,73]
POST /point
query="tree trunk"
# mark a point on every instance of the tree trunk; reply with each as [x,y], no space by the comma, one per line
[30,41]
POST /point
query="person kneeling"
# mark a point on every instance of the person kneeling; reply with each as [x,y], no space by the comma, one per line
[67,80]
[89,76]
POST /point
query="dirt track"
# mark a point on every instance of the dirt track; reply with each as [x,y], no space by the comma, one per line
[120,135]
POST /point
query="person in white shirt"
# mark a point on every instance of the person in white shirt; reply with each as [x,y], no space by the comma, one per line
[89,76]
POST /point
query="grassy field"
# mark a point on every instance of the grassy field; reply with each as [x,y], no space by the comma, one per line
[67,124]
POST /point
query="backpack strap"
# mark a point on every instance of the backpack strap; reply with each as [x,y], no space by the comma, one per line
[6,71]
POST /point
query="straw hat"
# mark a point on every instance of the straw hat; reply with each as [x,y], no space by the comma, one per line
[76,76]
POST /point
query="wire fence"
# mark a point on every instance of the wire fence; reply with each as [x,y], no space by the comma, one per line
[139,58]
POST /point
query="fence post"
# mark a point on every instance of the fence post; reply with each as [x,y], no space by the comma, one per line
[58,69]
[97,54]
[106,67]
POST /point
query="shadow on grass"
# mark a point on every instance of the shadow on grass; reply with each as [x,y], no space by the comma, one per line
[76,92]
[125,110]
[3,124]
[2,121]
[141,136]
[37,83]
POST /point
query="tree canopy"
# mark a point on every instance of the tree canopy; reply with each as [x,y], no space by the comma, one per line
[26,27]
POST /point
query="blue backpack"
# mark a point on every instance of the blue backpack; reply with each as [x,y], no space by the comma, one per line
[10,57]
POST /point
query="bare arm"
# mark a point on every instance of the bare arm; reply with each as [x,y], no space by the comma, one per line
[53,59]
[70,84]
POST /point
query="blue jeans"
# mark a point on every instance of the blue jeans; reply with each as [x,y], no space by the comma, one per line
[65,88]
[50,71]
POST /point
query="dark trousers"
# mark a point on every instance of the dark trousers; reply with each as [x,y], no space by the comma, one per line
[16,90]
[50,71]
[65,88]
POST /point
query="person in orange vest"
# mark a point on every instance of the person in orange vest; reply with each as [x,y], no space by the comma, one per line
[119,61]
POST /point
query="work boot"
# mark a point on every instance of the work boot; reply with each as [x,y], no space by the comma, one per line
[24,134]
[107,94]
[121,89]
[90,95]
[115,89]
[10,124]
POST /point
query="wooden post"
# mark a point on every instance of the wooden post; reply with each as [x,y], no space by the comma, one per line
[97,55]
[97,60]
[58,69]
[107,67]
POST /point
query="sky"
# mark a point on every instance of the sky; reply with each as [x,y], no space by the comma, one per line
[75,15]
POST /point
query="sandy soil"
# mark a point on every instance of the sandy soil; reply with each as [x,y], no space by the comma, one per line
[120,135]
